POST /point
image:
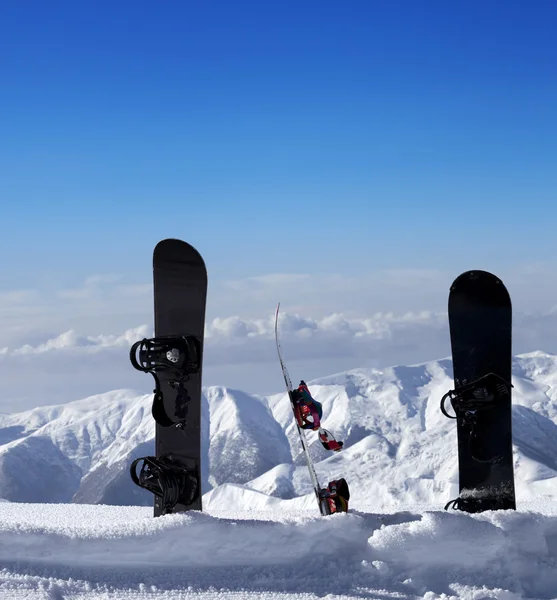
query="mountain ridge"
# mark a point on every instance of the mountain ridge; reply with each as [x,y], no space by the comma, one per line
[399,448]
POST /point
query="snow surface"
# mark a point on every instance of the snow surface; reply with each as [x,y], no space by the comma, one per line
[57,552]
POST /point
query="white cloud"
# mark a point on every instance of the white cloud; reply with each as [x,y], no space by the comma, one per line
[110,302]
[238,352]
[101,302]
[241,352]
[334,334]
[321,294]
[379,326]
[70,340]
[52,345]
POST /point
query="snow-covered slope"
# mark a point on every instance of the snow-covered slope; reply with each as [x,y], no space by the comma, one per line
[82,451]
[60,453]
[245,439]
[399,449]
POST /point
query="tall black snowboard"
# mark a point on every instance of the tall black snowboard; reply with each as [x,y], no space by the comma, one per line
[180,290]
[480,318]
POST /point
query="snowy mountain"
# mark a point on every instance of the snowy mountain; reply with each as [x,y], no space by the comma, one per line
[399,449]
[396,541]
[81,451]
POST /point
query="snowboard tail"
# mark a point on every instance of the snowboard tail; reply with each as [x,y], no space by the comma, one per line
[480,323]
[174,357]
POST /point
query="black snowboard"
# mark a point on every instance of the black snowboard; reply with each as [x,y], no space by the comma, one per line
[480,319]
[180,291]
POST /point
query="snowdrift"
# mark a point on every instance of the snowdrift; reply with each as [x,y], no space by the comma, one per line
[94,552]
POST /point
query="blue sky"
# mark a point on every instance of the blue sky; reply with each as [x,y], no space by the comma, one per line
[348,158]
[291,137]
[378,147]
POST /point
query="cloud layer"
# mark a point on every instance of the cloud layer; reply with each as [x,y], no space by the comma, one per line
[112,302]
[64,342]
[326,336]
[242,353]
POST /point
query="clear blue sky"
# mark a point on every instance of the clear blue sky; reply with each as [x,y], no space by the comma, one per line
[276,136]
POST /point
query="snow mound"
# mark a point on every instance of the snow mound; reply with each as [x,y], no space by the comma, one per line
[93,552]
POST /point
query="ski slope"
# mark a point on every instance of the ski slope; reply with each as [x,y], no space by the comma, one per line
[55,552]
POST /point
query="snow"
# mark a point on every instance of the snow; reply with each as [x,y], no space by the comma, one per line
[245,433]
[399,448]
[72,524]
[81,451]
[85,551]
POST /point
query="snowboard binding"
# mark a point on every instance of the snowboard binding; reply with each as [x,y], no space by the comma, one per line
[472,400]
[476,505]
[181,356]
[307,411]
[169,481]
[478,395]
[328,441]
[337,495]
